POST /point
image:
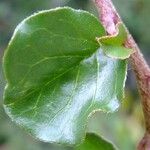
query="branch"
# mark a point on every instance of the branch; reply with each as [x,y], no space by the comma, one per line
[109,18]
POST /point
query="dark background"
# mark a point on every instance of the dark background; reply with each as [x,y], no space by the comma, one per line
[125,127]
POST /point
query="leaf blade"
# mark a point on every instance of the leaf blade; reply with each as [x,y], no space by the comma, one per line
[94,142]
[118,52]
[113,45]
[51,91]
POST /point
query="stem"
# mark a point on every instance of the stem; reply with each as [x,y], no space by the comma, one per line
[109,18]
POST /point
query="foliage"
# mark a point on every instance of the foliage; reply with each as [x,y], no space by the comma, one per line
[16,10]
[50,89]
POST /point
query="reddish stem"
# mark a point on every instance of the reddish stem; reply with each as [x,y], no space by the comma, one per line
[109,18]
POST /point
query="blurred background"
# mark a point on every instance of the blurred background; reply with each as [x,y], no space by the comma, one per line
[125,127]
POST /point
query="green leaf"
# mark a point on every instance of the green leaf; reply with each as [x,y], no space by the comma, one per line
[56,75]
[94,142]
[118,52]
[113,44]
[116,39]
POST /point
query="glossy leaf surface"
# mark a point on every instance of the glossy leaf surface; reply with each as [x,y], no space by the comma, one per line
[57,76]
[94,142]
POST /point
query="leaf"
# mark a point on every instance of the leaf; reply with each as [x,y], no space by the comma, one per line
[56,75]
[116,39]
[113,44]
[118,52]
[94,142]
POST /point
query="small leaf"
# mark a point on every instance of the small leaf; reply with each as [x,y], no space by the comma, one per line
[118,52]
[56,75]
[116,39]
[94,142]
[113,44]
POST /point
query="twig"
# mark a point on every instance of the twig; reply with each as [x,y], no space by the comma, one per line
[109,18]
